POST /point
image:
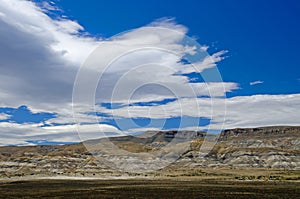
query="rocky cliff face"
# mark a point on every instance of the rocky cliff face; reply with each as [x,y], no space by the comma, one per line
[267,147]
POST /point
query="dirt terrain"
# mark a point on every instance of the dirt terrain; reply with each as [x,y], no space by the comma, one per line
[142,188]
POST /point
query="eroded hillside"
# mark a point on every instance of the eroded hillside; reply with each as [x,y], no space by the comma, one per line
[253,148]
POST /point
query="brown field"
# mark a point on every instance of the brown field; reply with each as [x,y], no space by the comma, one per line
[147,188]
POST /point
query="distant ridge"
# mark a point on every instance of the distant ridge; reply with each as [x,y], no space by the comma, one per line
[276,147]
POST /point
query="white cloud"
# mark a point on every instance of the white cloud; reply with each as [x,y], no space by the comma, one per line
[263,110]
[49,6]
[209,61]
[256,82]
[19,134]
[241,111]
[39,58]
[4,116]
[42,55]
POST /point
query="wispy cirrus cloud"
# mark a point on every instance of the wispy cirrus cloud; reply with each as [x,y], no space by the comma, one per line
[256,82]
[4,116]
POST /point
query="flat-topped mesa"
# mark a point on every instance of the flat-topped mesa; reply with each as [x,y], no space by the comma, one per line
[184,134]
[231,133]
[262,131]
[180,134]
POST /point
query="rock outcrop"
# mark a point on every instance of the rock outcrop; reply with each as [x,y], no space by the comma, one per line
[266,147]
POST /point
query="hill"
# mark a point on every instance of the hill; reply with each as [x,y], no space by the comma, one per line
[238,153]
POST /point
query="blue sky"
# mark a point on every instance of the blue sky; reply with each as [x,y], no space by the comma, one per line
[262,37]
[254,45]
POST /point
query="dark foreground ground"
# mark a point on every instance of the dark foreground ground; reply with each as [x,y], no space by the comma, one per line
[149,189]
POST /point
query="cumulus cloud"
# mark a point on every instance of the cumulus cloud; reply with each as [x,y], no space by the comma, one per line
[39,55]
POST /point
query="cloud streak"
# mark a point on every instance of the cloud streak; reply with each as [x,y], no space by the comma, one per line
[4,116]
[256,82]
